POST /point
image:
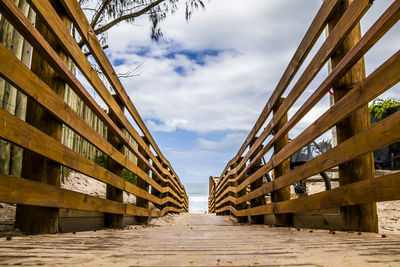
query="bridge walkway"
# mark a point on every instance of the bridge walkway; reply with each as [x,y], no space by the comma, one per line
[202,240]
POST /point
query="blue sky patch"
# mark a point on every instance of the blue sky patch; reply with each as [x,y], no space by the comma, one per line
[118,62]
[197,56]
[180,70]
[138,50]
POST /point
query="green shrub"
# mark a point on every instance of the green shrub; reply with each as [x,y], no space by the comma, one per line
[130,177]
[379,106]
[101,159]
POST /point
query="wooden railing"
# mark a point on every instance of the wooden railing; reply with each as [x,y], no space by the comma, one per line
[45,83]
[242,189]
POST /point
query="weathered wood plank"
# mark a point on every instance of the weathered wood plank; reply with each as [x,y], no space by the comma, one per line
[384,188]
[22,134]
[386,76]
[357,217]
[69,44]
[25,80]
[35,219]
[29,32]
[301,53]
[367,141]
[281,169]
[22,191]
[349,19]
[91,41]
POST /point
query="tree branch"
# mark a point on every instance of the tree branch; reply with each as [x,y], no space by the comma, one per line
[99,12]
[127,16]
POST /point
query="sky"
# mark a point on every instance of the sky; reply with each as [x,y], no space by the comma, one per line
[203,85]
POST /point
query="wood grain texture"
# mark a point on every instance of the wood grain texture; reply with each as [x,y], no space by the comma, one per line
[349,19]
[69,44]
[91,41]
[31,34]
[357,217]
[22,134]
[386,76]
[23,191]
[301,53]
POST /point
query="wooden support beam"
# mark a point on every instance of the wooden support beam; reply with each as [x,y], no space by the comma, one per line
[24,191]
[281,169]
[34,219]
[154,191]
[46,51]
[386,76]
[256,164]
[358,217]
[93,44]
[234,184]
[68,43]
[309,39]
[114,193]
[211,195]
[384,188]
[346,23]
[141,202]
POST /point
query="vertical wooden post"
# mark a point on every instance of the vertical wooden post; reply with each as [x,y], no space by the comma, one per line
[34,219]
[141,202]
[12,99]
[211,190]
[165,184]
[358,217]
[283,168]
[243,192]
[113,193]
[256,184]
[153,190]
[234,184]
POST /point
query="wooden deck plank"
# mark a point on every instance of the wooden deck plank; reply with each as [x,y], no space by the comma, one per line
[202,240]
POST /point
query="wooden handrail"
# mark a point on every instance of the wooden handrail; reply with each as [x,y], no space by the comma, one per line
[345,25]
[232,193]
[169,194]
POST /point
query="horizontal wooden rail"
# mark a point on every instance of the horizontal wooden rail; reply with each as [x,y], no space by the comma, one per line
[38,42]
[22,191]
[91,41]
[243,187]
[384,188]
[167,192]
[378,82]
[300,55]
[66,40]
[345,25]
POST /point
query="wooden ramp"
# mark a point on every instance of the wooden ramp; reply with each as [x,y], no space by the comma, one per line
[202,240]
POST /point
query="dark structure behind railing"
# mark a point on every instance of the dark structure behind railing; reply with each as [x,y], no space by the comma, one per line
[37,192]
[244,188]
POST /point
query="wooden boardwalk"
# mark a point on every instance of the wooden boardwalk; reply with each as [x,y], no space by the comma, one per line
[202,240]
